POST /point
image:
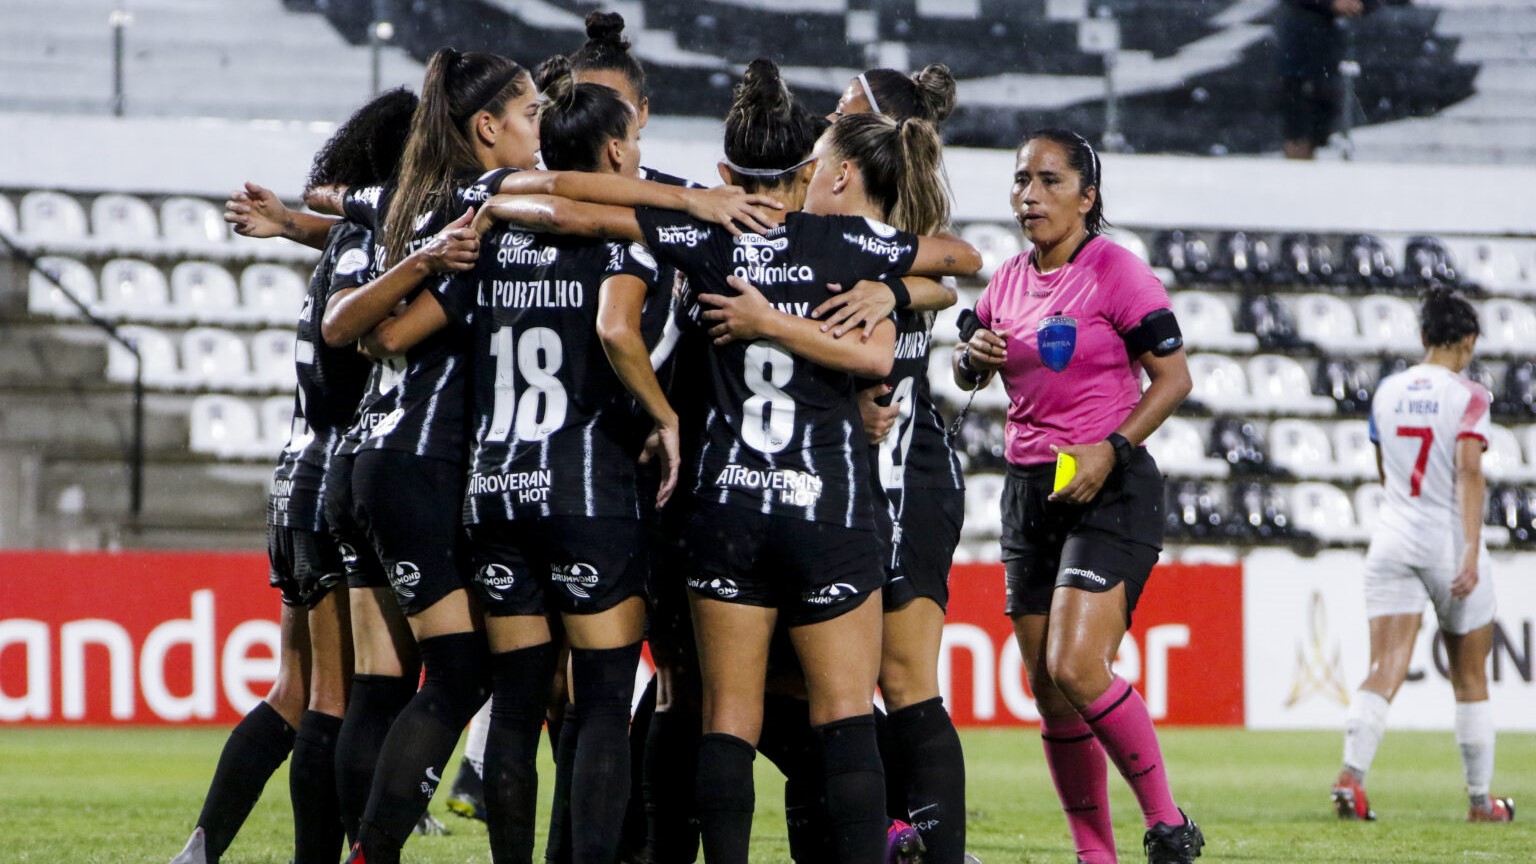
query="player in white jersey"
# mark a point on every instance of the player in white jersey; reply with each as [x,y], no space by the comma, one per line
[1430,426]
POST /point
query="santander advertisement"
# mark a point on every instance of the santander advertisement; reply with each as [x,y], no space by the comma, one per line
[158,638]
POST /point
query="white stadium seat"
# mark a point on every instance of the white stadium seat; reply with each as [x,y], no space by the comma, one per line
[1389,324]
[1509,327]
[1131,241]
[272,294]
[215,358]
[1323,510]
[1219,383]
[1368,499]
[1502,266]
[45,298]
[193,222]
[1178,447]
[1353,452]
[124,219]
[1206,323]
[272,359]
[134,290]
[996,243]
[204,293]
[984,505]
[224,426]
[161,368]
[1327,321]
[8,223]
[1301,447]
[1503,460]
[1527,437]
[52,216]
[1281,385]
[276,422]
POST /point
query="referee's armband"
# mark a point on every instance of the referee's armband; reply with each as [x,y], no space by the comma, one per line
[1158,333]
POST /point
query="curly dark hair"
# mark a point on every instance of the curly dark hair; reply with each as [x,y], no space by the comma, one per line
[366,149]
[1446,318]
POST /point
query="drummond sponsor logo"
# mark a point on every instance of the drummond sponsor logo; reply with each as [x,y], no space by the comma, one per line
[719,586]
[579,578]
[794,487]
[829,595]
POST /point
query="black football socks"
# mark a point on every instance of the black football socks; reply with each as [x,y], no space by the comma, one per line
[855,789]
[926,747]
[671,764]
[372,706]
[317,832]
[558,848]
[789,742]
[255,748]
[725,797]
[521,681]
[603,681]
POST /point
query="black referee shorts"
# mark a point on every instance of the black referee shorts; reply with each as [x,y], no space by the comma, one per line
[1094,547]
[575,565]
[303,565]
[410,508]
[924,536]
[810,571]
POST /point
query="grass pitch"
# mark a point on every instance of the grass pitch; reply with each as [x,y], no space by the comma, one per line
[126,796]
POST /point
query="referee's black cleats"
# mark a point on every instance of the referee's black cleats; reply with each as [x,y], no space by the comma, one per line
[1173,844]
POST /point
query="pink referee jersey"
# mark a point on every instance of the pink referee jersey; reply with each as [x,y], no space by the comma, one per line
[1417,417]
[1068,377]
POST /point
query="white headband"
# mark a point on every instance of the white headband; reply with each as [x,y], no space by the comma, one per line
[765,172]
[869,93]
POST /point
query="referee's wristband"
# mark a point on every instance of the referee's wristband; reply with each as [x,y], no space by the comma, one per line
[1123,448]
[899,291]
[972,375]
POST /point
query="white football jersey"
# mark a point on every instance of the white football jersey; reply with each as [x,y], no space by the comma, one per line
[1417,418]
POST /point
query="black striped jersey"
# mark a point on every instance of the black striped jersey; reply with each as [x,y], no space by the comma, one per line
[781,434]
[915,455]
[416,403]
[554,430]
[659,318]
[331,383]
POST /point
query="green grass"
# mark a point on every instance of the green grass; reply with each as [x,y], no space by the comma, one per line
[124,796]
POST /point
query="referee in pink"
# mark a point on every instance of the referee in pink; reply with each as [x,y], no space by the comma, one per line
[1070,325]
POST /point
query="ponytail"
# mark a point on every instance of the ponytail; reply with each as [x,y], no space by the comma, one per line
[607,50]
[902,166]
[926,95]
[457,87]
[1446,317]
[578,120]
[766,129]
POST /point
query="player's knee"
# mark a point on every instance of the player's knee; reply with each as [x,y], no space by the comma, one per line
[903,684]
[1077,678]
[457,672]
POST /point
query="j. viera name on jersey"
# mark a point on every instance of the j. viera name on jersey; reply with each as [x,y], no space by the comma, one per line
[555,293]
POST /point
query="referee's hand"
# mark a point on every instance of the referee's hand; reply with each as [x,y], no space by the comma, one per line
[986,351]
[1094,462]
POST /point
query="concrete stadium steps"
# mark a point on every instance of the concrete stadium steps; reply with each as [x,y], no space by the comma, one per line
[188,497]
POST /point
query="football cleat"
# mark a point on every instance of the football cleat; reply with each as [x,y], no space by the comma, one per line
[1173,844]
[429,826]
[1349,799]
[195,852]
[356,855]
[1498,810]
[467,797]
[903,845]
[971,859]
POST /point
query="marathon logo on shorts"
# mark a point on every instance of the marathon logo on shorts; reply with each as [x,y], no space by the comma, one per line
[681,235]
[1085,574]
[403,578]
[1057,338]
[496,578]
[719,586]
[796,488]
[578,578]
[830,595]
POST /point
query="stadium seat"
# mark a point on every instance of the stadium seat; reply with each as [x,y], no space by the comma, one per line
[1207,323]
[45,299]
[272,359]
[996,243]
[1426,261]
[215,359]
[8,222]
[982,443]
[1503,460]
[1513,508]
[52,216]
[1367,263]
[1188,255]
[983,505]
[1261,509]
[1219,383]
[1368,499]
[1179,451]
[1509,327]
[1519,394]
[134,290]
[1199,510]
[1389,324]
[1347,382]
[1266,317]
[1238,443]
[277,423]
[1281,385]
[1483,374]
[1301,448]
[1353,452]
[1131,241]
[1306,259]
[204,293]
[124,220]
[1247,257]
[272,293]
[1502,266]
[161,368]
[224,426]
[1324,511]
[193,222]
[1329,322]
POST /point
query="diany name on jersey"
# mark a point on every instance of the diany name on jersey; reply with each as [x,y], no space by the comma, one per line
[544,293]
